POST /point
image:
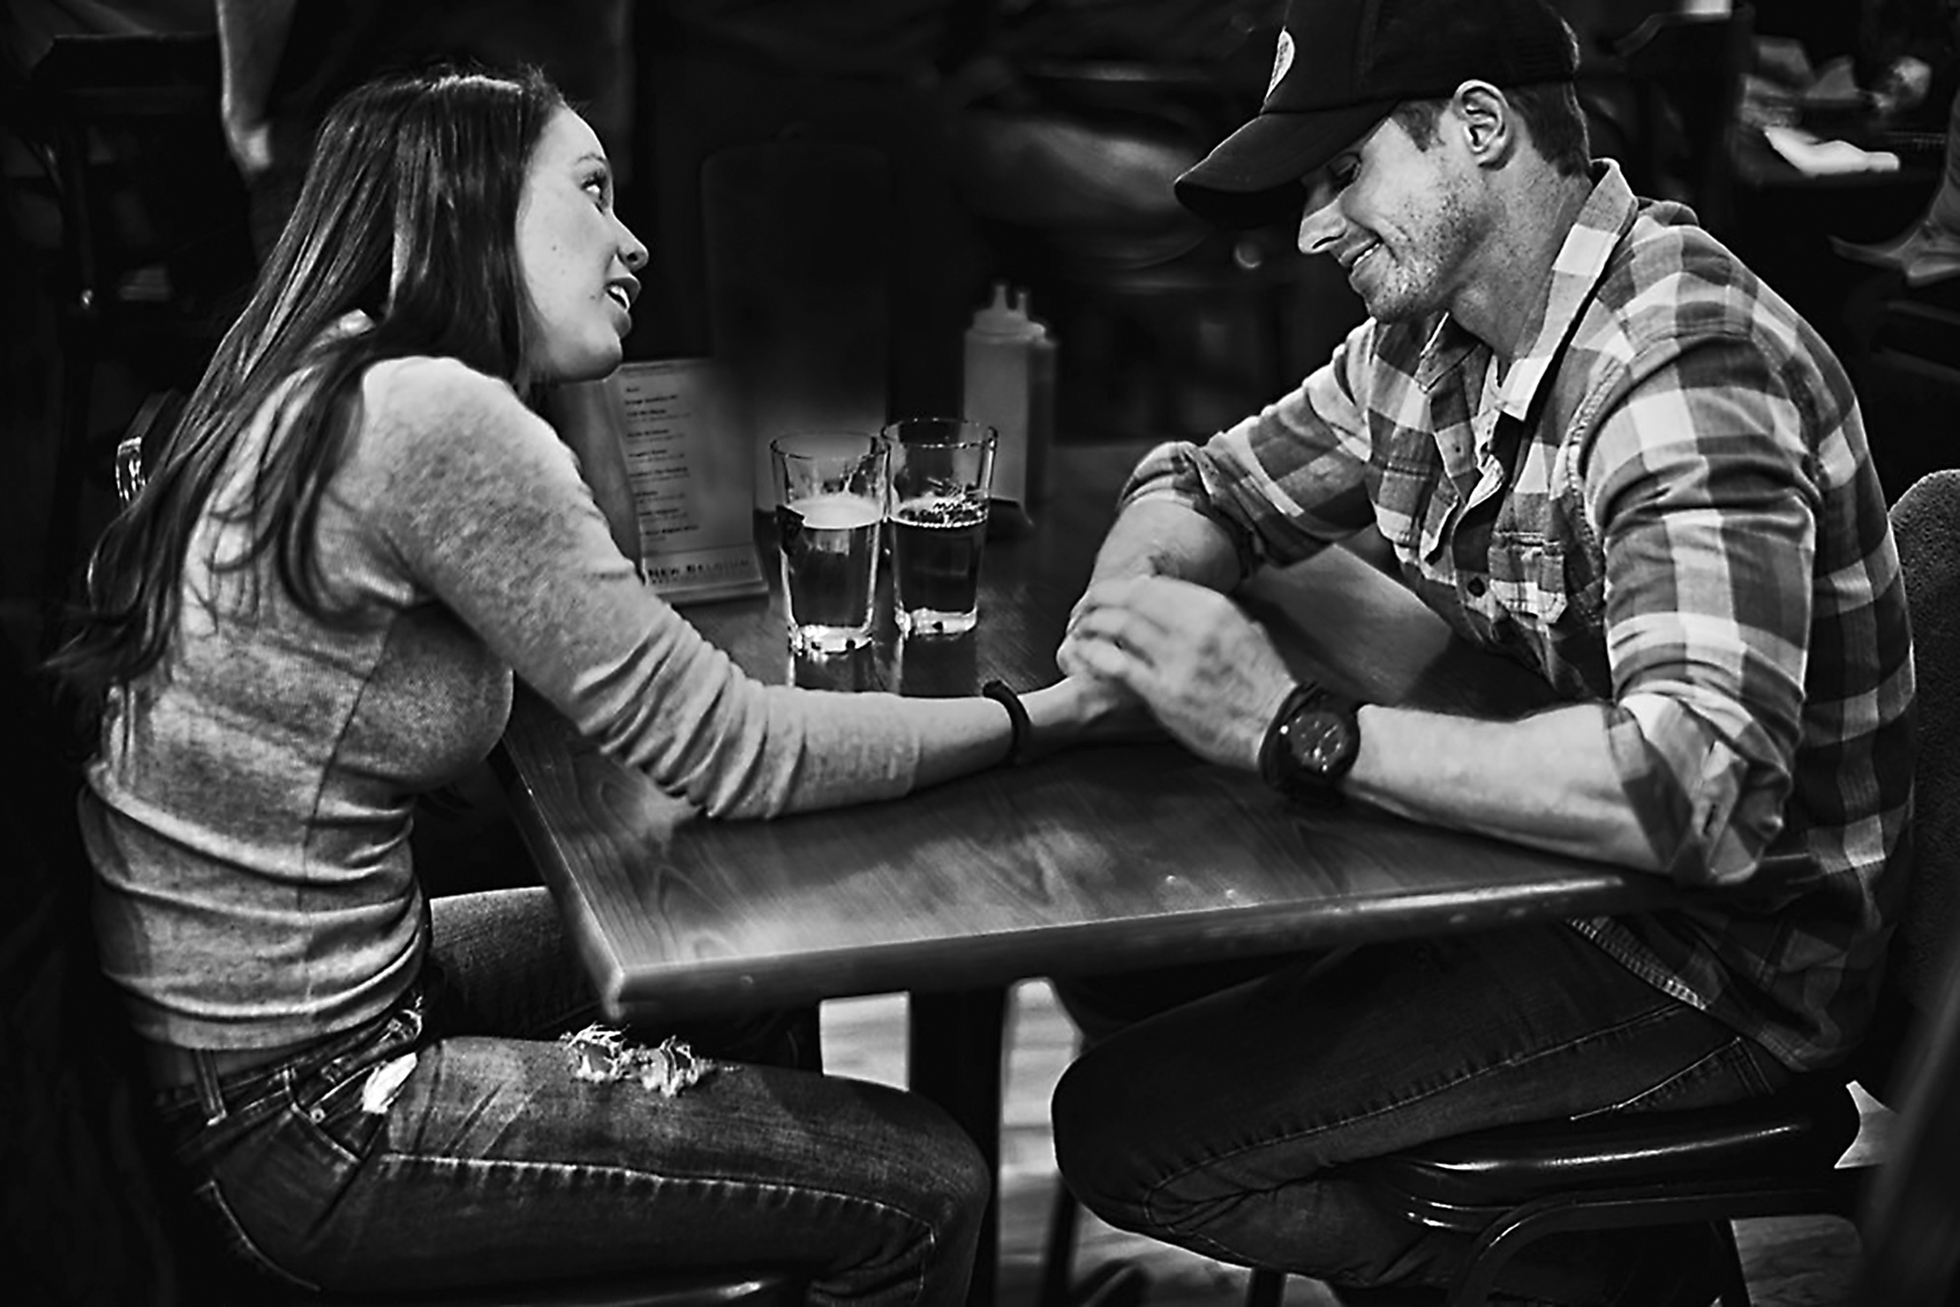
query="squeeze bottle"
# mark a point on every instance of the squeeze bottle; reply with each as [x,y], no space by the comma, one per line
[1003,353]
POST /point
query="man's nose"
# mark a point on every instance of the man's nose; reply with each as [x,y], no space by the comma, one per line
[1321,225]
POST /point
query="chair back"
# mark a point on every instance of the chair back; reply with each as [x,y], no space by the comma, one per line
[1926,525]
[1911,1224]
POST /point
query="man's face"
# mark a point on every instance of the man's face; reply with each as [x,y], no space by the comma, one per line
[1404,220]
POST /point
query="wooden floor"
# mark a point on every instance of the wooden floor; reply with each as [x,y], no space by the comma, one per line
[1791,1262]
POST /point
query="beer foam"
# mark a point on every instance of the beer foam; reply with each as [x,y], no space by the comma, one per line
[837,512]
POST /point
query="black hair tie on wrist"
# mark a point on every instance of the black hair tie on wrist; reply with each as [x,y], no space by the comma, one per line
[1017,716]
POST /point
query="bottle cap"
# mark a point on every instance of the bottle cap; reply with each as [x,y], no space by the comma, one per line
[1003,319]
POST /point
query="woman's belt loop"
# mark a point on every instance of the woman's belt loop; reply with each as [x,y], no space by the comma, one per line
[209,1096]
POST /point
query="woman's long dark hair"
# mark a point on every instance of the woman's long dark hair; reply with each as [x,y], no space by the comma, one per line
[409,214]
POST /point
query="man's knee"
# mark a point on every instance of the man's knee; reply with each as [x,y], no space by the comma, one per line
[1096,1156]
[1114,1150]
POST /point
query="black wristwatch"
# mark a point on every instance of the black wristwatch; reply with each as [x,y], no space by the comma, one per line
[1311,744]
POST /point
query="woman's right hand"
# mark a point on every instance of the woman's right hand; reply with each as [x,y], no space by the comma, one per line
[1087,710]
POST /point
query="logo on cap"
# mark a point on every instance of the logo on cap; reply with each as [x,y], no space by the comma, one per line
[1282,60]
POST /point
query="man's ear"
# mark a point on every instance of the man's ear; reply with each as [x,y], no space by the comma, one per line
[1488,124]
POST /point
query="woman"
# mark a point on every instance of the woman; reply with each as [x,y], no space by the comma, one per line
[311,615]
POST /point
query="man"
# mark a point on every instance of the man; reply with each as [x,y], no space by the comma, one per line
[1597,444]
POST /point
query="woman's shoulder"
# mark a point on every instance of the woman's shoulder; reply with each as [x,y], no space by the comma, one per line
[432,389]
[417,406]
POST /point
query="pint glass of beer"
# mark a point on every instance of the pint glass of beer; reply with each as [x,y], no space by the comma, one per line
[831,489]
[942,471]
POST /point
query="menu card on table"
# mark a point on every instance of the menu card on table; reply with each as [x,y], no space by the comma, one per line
[689,469]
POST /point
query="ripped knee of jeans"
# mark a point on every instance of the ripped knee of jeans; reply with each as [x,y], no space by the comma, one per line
[603,1055]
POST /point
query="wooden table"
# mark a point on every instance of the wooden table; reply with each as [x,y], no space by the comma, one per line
[1097,858]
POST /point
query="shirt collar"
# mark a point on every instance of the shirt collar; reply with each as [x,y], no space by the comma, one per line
[1604,219]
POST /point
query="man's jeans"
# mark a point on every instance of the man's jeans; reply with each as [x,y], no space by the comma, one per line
[492,1161]
[1222,1124]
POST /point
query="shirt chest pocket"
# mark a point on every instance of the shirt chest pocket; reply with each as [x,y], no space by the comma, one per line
[1541,582]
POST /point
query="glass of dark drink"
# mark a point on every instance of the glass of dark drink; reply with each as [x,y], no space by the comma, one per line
[942,474]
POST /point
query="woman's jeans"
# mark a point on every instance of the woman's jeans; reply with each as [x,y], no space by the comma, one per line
[1223,1123]
[450,1142]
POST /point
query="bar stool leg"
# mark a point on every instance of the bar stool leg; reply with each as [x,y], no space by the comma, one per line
[956,1040]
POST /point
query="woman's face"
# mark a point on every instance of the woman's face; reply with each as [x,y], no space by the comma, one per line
[575,258]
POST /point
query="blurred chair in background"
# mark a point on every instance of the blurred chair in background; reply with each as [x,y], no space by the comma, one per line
[734,91]
[154,253]
[1908,378]
[1663,101]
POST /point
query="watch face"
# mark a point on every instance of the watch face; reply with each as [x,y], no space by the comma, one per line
[1319,740]
[1311,745]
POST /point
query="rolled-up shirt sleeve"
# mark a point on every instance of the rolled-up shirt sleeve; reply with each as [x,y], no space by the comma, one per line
[1705,499]
[1286,481]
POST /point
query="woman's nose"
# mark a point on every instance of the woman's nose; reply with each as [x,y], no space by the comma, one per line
[631,249]
[1321,225]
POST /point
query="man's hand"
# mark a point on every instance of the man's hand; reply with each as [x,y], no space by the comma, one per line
[1209,674]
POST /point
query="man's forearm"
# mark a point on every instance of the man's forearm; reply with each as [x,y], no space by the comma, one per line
[1163,537]
[1547,781]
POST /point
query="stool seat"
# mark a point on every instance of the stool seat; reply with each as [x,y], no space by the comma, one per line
[1463,1183]
[642,1289]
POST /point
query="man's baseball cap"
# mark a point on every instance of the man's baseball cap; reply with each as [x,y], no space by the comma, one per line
[1342,65]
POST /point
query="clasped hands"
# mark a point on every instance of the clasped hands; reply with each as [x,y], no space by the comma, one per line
[1207,673]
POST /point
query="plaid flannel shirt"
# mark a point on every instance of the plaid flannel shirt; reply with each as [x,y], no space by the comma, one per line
[1666,505]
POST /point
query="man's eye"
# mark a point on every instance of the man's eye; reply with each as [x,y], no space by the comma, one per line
[1343,175]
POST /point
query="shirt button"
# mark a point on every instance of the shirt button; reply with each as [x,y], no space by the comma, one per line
[1476,587]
